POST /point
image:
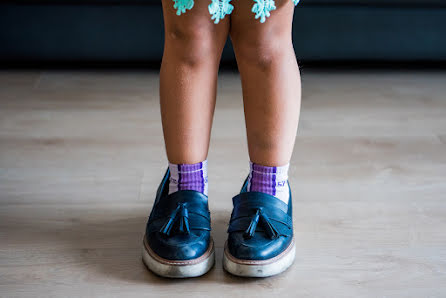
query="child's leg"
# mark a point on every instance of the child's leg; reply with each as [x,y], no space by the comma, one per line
[188,78]
[270,81]
[178,242]
[260,233]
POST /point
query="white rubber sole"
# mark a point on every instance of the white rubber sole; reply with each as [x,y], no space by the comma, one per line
[178,269]
[262,268]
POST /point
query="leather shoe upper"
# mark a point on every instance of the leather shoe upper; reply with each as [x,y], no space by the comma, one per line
[179,225]
[261,225]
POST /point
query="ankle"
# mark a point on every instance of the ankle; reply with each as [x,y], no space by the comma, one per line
[272,180]
[188,177]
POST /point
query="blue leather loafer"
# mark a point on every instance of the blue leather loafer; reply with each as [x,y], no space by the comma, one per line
[260,235]
[177,242]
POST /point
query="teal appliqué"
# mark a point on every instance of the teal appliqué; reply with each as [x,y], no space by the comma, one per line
[219,8]
[182,5]
[262,9]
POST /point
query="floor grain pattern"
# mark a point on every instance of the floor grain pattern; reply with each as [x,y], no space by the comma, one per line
[81,153]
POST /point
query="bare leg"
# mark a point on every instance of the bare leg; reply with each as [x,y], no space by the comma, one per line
[270,81]
[188,79]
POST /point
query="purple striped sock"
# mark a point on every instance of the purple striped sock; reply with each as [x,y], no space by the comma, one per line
[188,177]
[270,180]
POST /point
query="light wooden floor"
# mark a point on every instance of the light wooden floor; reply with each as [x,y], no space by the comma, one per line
[81,154]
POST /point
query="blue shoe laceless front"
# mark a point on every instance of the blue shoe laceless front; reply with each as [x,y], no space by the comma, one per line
[260,227]
[179,224]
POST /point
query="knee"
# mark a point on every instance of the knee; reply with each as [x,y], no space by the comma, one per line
[261,50]
[192,45]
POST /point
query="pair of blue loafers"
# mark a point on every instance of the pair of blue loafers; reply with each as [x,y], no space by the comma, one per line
[178,240]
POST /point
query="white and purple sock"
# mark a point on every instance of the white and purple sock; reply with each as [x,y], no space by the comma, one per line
[189,177]
[270,180]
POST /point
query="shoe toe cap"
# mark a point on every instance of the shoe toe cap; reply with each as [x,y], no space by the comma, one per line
[260,247]
[179,247]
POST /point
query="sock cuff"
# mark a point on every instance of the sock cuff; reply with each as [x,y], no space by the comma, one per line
[282,170]
[188,177]
[188,168]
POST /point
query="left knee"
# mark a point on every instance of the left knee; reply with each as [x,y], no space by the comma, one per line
[261,49]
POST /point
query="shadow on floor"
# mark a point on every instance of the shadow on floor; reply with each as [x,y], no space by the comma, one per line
[106,244]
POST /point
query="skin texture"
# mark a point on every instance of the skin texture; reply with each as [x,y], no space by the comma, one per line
[268,69]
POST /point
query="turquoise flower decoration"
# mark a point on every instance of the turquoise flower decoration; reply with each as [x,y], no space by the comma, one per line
[262,9]
[219,8]
[182,5]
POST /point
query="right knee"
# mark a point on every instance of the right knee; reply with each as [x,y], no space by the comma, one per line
[193,45]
